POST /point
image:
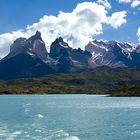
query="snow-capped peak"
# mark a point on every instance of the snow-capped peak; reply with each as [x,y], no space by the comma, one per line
[113,53]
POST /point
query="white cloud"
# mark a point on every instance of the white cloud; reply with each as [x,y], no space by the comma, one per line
[77,27]
[134,3]
[7,38]
[138,34]
[117,19]
[81,24]
[125,1]
[105,3]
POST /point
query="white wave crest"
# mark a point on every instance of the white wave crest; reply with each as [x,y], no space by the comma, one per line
[40,116]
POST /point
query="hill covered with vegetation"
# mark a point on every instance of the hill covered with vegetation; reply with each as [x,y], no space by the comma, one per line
[102,80]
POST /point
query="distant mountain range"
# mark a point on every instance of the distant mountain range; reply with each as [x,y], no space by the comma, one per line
[29,57]
[114,53]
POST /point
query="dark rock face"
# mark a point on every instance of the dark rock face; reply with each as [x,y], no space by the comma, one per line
[82,56]
[136,59]
[23,65]
[65,63]
[68,59]
[114,54]
[57,47]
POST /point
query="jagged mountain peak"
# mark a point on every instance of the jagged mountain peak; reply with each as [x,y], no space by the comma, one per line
[59,42]
[104,44]
[57,47]
[37,36]
[19,39]
[59,39]
[33,46]
[113,53]
[38,33]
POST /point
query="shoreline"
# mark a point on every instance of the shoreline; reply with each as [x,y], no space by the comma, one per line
[102,95]
[43,93]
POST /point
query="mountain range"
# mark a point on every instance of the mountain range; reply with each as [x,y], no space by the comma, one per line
[29,57]
[114,53]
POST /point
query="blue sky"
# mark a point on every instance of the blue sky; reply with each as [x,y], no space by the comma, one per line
[17,14]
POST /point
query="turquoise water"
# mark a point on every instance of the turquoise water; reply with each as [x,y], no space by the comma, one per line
[69,117]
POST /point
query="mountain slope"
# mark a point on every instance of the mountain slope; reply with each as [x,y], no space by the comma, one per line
[26,59]
[114,53]
[68,59]
[23,65]
[33,46]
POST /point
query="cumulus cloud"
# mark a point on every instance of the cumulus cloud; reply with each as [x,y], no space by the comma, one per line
[125,1]
[138,33]
[7,38]
[76,27]
[117,19]
[134,3]
[105,3]
[80,25]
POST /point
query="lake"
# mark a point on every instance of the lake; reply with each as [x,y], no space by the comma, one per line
[69,117]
